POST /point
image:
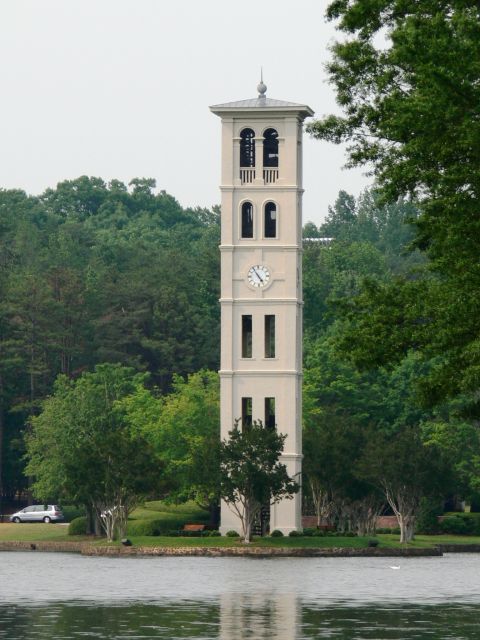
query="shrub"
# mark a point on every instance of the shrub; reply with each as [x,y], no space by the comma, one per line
[372,543]
[427,521]
[232,534]
[295,534]
[213,533]
[71,512]
[145,527]
[78,526]
[454,525]
[461,524]
[276,534]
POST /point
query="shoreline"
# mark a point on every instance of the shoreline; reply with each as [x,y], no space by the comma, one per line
[88,549]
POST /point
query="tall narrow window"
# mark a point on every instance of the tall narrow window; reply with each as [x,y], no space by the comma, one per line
[246,336]
[270,148]
[246,412]
[270,413]
[269,336]
[270,220]
[247,220]
[247,148]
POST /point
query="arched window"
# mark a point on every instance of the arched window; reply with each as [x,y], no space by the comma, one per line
[270,148]
[247,220]
[270,220]
[247,148]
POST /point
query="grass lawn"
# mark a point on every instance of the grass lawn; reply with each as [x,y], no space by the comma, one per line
[35,532]
[173,517]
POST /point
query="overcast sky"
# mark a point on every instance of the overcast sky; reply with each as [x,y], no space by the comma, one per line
[121,89]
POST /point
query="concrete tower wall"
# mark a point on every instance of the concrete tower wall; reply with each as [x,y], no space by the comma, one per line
[259,377]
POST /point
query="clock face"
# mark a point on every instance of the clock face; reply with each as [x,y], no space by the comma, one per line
[258,275]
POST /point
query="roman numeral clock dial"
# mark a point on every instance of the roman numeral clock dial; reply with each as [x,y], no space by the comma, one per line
[258,276]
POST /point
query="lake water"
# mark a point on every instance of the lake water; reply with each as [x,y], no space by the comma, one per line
[62,597]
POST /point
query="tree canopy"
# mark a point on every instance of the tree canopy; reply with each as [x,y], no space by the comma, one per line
[407,77]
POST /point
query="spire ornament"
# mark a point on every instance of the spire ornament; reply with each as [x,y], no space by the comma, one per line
[261,87]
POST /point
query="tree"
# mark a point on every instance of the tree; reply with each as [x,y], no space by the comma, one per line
[340,217]
[406,470]
[184,429]
[82,447]
[339,404]
[251,474]
[407,78]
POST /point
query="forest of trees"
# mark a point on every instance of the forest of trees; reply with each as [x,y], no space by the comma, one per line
[95,273]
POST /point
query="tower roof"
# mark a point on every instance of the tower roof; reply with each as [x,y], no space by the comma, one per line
[261,103]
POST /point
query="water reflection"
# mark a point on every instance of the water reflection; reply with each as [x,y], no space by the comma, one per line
[239,621]
[43,596]
[259,615]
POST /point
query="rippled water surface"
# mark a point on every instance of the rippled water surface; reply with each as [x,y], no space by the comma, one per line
[61,596]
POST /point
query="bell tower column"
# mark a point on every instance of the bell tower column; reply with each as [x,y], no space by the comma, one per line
[261,283]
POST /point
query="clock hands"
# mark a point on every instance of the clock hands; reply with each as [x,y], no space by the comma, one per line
[257,274]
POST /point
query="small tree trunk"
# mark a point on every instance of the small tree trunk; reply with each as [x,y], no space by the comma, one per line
[247,523]
[405,507]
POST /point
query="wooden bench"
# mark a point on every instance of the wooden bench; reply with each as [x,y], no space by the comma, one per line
[194,527]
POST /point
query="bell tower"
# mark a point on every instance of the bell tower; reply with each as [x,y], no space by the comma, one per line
[261,279]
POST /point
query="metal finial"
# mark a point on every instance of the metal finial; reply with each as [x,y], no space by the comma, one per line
[262,87]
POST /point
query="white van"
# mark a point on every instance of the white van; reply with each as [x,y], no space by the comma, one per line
[38,513]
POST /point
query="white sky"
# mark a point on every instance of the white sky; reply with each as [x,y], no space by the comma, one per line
[121,89]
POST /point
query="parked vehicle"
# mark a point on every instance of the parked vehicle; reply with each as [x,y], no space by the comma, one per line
[38,513]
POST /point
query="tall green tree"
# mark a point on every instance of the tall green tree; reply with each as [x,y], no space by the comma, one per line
[81,447]
[251,474]
[184,429]
[408,80]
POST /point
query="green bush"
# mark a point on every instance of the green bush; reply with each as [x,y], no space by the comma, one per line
[341,534]
[214,533]
[232,534]
[313,532]
[78,526]
[461,524]
[372,543]
[276,534]
[295,534]
[71,512]
[145,528]
[427,521]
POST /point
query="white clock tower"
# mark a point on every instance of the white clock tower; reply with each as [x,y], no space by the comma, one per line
[261,283]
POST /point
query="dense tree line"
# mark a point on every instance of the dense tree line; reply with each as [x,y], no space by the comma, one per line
[369,441]
[93,272]
[406,75]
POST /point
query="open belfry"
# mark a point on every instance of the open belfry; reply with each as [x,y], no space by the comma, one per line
[261,280]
